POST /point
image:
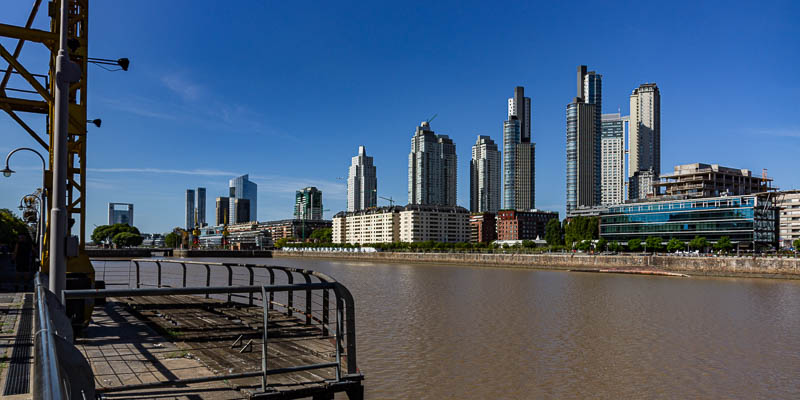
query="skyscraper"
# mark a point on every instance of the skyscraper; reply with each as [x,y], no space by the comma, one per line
[584,126]
[613,159]
[239,210]
[189,209]
[201,206]
[362,183]
[432,168]
[223,210]
[242,188]
[582,182]
[308,203]
[519,155]
[120,216]
[645,136]
[484,173]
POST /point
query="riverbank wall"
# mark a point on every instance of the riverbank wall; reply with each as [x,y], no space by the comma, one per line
[765,267]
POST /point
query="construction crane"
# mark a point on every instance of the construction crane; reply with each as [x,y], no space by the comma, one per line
[432,118]
[40,99]
[389,199]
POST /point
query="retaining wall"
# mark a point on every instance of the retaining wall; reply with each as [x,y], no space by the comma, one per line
[772,267]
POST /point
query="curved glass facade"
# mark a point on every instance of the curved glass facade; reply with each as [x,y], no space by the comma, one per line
[743,219]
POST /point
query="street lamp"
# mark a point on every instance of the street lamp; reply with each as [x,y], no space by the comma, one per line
[7,171]
[96,122]
[122,63]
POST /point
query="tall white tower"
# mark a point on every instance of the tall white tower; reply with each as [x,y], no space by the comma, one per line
[362,182]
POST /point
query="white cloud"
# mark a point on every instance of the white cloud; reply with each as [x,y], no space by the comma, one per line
[782,132]
[180,85]
[203,172]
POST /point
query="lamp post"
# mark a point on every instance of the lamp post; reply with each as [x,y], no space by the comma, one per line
[39,196]
[7,171]
[66,73]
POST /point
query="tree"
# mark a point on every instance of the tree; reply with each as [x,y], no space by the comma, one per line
[635,244]
[324,235]
[796,245]
[674,245]
[528,244]
[615,247]
[172,239]
[11,227]
[698,243]
[585,245]
[723,244]
[127,239]
[104,233]
[553,234]
[581,228]
[654,244]
[281,242]
[601,245]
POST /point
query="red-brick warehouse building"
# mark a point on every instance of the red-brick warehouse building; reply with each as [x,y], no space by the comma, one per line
[523,225]
[483,228]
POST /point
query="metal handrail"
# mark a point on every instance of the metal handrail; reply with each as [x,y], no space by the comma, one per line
[344,305]
[48,378]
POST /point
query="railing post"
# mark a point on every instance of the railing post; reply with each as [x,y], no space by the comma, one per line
[271,294]
[308,298]
[264,346]
[338,340]
[252,282]
[230,279]
[289,294]
[137,274]
[325,311]
[158,278]
[342,294]
[208,277]
[184,273]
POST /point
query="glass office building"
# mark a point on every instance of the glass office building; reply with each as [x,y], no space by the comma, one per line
[750,221]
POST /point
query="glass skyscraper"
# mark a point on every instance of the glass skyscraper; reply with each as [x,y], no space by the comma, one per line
[584,125]
[519,155]
[242,188]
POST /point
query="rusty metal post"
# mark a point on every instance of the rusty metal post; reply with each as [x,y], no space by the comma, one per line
[271,294]
[158,265]
[325,311]
[308,298]
[264,346]
[230,279]
[252,282]
[289,294]
[208,277]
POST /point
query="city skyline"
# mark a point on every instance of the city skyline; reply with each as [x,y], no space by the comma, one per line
[370,94]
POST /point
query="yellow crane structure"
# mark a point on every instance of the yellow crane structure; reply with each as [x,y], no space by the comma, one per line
[39,98]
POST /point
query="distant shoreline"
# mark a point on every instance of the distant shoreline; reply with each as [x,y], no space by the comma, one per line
[750,267]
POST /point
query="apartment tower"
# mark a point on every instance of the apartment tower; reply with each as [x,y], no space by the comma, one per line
[584,126]
[432,168]
[362,183]
[519,155]
[242,188]
[645,138]
[189,223]
[484,174]
[612,149]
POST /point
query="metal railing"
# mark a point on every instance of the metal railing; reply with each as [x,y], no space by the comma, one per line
[59,369]
[314,289]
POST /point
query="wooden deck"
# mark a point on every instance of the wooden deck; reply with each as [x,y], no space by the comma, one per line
[207,329]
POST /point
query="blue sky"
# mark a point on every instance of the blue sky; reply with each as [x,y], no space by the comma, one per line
[287,91]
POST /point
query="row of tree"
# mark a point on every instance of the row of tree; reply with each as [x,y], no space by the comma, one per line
[11,227]
[122,235]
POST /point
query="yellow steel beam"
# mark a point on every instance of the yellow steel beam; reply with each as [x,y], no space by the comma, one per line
[25,105]
[25,74]
[33,35]
[22,123]
[20,42]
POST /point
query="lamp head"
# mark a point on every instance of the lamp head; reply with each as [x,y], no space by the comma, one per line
[96,122]
[124,63]
[8,171]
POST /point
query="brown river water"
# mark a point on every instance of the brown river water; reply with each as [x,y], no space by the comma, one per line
[438,332]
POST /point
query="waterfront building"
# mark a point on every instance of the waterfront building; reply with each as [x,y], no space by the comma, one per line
[239,236]
[373,225]
[420,223]
[242,188]
[432,168]
[519,155]
[308,203]
[190,211]
[643,184]
[750,221]
[200,203]
[362,182]
[484,173]
[239,210]
[523,225]
[789,207]
[612,149]
[582,182]
[710,180]
[223,210]
[645,134]
[592,93]
[294,228]
[483,227]
[122,215]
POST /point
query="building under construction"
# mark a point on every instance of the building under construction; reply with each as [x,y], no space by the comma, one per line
[703,180]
